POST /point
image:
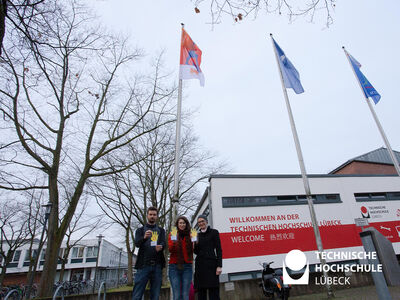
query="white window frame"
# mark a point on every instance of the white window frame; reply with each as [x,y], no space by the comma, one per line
[77,252]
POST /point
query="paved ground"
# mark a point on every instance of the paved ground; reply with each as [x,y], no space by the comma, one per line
[363,293]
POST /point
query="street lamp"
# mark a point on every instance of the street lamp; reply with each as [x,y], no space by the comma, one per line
[40,246]
[47,211]
[99,238]
[119,265]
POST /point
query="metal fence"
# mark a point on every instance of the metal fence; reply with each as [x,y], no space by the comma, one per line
[86,286]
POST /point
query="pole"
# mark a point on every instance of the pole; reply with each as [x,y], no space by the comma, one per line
[391,153]
[175,200]
[119,265]
[97,261]
[380,128]
[303,174]
[379,279]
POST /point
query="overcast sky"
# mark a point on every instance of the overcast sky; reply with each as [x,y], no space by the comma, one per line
[241,114]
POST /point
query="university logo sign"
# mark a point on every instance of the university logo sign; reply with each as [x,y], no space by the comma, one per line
[365,212]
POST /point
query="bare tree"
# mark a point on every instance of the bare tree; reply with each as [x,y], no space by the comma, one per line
[114,198]
[67,106]
[35,223]
[240,9]
[13,233]
[81,226]
[152,177]
[15,11]
[124,197]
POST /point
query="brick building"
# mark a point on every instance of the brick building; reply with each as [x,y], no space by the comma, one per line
[375,162]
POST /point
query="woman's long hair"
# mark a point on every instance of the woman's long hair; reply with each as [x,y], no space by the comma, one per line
[187,228]
[184,235]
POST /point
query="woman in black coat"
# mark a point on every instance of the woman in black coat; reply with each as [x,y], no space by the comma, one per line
[208,263]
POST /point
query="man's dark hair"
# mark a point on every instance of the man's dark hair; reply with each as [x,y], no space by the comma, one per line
[152,208]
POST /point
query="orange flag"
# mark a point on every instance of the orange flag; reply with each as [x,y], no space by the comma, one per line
[190,59]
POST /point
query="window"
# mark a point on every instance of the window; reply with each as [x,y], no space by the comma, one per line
[77,252]
[33,253]
[113,258]
[88,274]
[244,275]
[250,201]
[381,196]
[61,252]
[303,198]
[77,274]
[42,256]
[92,251]
[245,201]
[206,212]
[17,255]
[393,195]
[286,199]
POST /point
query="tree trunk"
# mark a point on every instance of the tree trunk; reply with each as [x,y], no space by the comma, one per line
[7,260]
[130,266]
[3,274]
[3,13]
[62,271]
[64,262]
[56,233]
[31,260]
[50,267]
[54,239]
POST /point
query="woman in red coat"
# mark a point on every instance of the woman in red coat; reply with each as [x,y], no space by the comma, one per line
[181,258]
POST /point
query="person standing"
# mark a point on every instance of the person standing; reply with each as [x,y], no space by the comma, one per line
[150,239]
[208,263]
[181,259]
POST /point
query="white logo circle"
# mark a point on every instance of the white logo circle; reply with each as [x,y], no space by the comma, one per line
[295,260]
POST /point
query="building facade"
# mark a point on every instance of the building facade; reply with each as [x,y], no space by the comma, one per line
[80,263]
[263,217]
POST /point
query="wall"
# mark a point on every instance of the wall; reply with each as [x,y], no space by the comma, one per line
[164,295]
[243,290]
[16,279]
[250,289]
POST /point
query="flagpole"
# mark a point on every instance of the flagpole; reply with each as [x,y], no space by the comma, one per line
[303,175]
[380,128]
[175,200]
[391,153]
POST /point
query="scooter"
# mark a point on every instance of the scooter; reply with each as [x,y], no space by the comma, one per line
[272,283]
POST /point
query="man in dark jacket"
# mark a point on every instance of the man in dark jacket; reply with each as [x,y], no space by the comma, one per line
[208,264]
[150,260]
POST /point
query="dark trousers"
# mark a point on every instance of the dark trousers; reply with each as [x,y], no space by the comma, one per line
[143,275]
[213,294]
